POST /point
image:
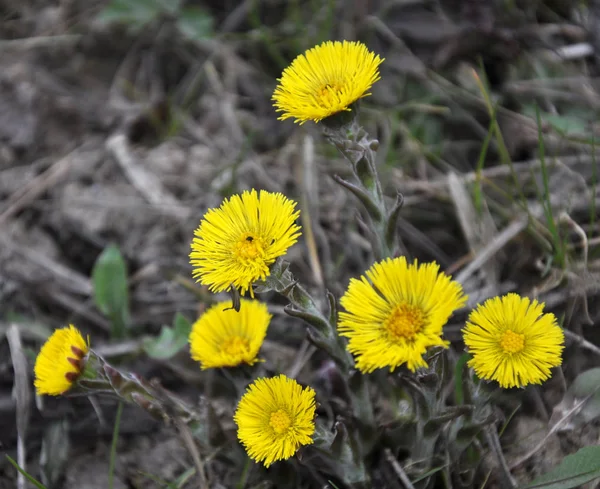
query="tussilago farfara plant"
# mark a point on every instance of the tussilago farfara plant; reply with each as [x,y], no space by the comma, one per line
[387,347]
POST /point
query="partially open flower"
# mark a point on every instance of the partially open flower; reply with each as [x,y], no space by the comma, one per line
[60,361]
[223,337]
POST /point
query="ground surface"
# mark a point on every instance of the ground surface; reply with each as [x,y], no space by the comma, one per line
[114,134]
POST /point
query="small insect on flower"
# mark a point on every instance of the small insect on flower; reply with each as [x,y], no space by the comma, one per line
[60,361]
[396,311]
[222,337]
[275,417]
[236,243]
[326,80]
[512,341]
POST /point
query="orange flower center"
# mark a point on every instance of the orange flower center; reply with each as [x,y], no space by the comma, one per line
[512,342]
[249,248]
[280,421]
[328,94]
[235,346]
[405,322]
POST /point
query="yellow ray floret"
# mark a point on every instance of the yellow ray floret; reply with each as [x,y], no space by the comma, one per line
[396,311]
[326,80]
[275,417]
[223,337]
[60,361]
[512,341]
[236,243]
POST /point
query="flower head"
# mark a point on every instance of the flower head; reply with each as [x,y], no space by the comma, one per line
[275,417]
[60,361]
[223,337]
[396,312]
[236,243]
[512,341]
[326,80]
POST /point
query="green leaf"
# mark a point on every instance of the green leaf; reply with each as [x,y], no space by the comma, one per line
[111,294]
[571,122]
[195,23]
[574,470]
[170,341]
[135,13]
[588,384]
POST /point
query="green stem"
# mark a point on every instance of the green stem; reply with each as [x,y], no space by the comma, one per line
[360,150]
[113,447]
[323,333]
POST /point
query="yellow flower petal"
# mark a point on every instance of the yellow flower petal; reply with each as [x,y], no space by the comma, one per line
[326,80]
[60,361]
[512,341]
[223,337]
[236,243]
[396,311]
[275,417]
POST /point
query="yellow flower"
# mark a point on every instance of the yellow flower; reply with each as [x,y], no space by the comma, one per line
[326,80]
[396,312]
[222,337]
[60,361]
[275,417]
[236,243]
[512,341]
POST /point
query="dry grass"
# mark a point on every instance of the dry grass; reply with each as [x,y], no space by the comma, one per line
[113,136]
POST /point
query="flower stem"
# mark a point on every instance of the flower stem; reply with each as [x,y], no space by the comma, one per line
[100,377]
[360,150]
[323,333]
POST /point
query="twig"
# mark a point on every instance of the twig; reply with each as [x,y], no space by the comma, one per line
[553,430]
[22,394]
[119,349]
[25,45]
[303,355]
[188,440]
[77,308]
[66,277]
[237,16]
[491,436]
[145,182]
[478,229]
[36,187]
[512,230]
[227,105]
[389,456]
[565,53]
[565,217]
[582,342]
[310,198]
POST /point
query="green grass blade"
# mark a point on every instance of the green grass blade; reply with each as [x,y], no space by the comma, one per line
[478,191]
[30,478]
[559,251]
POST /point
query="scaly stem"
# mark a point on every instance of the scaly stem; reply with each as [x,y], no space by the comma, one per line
[355,145]
[323,333]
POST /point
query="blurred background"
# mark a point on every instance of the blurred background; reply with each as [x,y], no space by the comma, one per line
[122,121]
